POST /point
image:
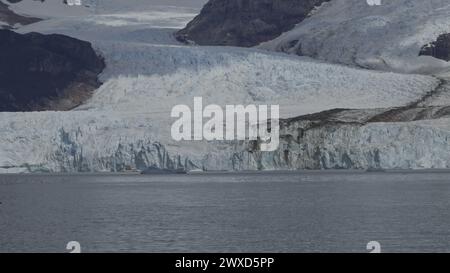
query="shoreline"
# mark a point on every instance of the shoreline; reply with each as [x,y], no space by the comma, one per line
[287,172]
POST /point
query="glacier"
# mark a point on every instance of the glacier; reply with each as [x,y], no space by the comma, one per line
[126,123]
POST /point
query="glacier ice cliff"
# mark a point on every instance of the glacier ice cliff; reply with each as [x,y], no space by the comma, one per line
[108,143]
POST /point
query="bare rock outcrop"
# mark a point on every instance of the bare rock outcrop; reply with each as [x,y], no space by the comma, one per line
[245,22]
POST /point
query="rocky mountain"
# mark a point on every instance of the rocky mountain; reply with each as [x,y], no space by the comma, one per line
[41,72]
[439,49]
[245,22]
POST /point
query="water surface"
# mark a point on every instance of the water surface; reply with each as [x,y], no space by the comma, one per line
[335,211]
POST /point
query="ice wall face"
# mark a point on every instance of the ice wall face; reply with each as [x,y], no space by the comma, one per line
[82,141]
[410,145]
[105,142]
[374,146]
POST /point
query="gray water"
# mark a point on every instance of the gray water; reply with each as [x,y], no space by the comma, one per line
[336,211]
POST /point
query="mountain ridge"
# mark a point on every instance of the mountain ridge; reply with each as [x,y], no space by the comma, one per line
[46,72]
[245,22]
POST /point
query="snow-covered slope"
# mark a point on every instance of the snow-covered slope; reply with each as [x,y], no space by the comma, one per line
[145,21]
[10,19]
[127,121]
[387,37]
[57,8]
[47,9]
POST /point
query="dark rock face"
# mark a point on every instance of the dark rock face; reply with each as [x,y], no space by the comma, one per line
[245,22]
[46,72]
[439,49]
